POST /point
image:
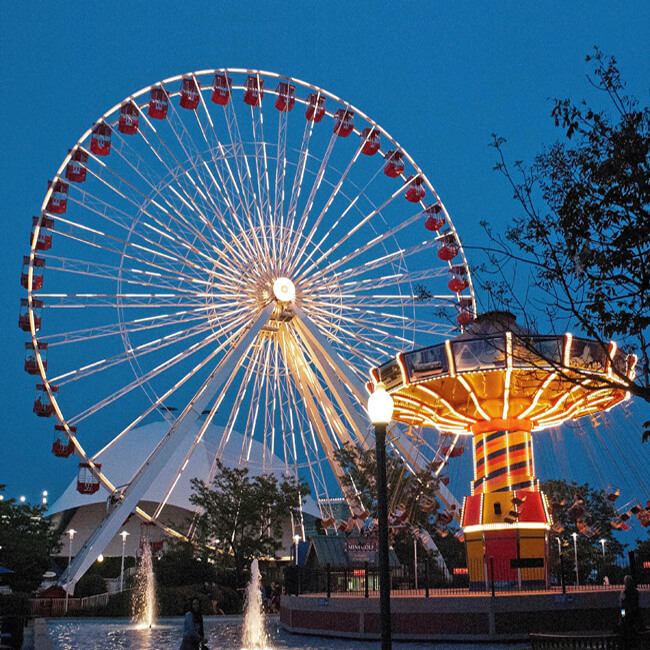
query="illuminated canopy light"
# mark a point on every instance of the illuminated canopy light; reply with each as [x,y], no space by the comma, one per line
[284,290]
[532,525]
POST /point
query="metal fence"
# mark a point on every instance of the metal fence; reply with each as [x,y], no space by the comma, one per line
[492,576]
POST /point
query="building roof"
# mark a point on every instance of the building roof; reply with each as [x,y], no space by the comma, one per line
[330,549]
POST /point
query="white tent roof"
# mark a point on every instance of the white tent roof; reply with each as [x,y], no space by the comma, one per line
[121,461]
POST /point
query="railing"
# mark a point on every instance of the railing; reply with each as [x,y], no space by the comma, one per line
[57,606]
[492,578]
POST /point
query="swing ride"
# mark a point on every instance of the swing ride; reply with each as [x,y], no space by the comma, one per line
[497,383]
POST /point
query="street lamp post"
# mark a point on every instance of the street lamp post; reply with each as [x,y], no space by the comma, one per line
[602,543]
[575,554]
[296,540]
[70,533]
[380,409]
[124,535]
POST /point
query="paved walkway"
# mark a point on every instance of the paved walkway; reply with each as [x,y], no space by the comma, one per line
[36,635]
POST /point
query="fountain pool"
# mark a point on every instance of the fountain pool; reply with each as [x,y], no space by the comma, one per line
[223,632]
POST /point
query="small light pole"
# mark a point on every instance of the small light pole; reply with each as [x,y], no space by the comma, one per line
[44,497]
[296,540]
[602,543]
[415,560]
[380,410]
[70,533]
[124,535]
[575,553]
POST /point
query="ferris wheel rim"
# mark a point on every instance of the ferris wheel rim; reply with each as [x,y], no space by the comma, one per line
[107,116]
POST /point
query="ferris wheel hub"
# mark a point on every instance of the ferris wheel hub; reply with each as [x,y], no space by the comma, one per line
[284,290]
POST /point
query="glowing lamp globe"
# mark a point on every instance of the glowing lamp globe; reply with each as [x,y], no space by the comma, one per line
[380,405]
[284,290]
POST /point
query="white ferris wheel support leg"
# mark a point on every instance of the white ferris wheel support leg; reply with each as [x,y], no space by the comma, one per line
[179,433]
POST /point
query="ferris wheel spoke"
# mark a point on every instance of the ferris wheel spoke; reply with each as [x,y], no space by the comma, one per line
[245,188]
[245,247]
[314,226]
[299,176]
[364,331]
[266,212]
[394,280]
[220,188]
[370,265]
[312,194]
[147,323]
[173,211]
[124,249]
[131,275]
[373,242]
[363,317]
[154,372]
[280,174]
[379,239]
[149,347]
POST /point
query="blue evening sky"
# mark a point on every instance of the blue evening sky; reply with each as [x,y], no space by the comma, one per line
[439,76]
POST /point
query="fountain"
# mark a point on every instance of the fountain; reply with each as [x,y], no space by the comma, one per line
[254,632]
[144,597]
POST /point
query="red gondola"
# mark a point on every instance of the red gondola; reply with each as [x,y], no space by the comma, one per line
[394,165]
[75,170]
[62,447]
[315,107]
[454,453]
[344,122]
[465,315]
[416,191]
[31,367]
[100,142]
[221,89]
[286,96]
[612,493]
[447,247]
[87,482]
[158,103]
[37,273]
[58,202]
[43,407]
[254,90]
[129,119]
[434,222]
[190,93]
[23,319]
[370,140]
[458,281]
[44,241]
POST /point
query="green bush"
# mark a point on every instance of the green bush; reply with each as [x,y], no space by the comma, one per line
[89,585]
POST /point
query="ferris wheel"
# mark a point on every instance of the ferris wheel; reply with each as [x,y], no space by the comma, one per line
[242,245]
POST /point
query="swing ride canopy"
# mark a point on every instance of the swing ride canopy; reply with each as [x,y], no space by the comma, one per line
[498,371]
